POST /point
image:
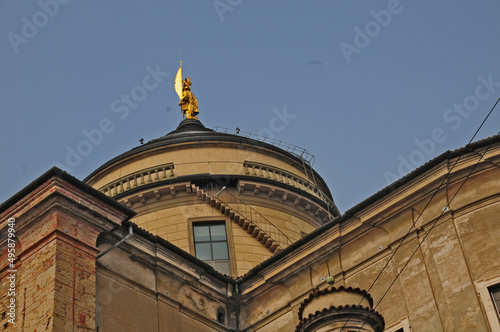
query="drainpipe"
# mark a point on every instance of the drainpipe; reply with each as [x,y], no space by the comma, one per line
[237,308]
[129,235]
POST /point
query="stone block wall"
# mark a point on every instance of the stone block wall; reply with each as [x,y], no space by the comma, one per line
[56,221]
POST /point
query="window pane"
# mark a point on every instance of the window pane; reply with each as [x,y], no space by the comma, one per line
[218,232]
[210,245]
[223,267]
[201,233]
[203,251]
[495,294]
[220,250]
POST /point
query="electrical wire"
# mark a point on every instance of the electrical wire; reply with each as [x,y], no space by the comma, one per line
[437,219]
[432,227]
[421,213]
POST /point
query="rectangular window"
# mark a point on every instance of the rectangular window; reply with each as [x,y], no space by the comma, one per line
[489,293]
[495,296]
[210,245]
[402,326]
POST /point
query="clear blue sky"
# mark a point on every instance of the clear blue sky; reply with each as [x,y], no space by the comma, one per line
[364,86]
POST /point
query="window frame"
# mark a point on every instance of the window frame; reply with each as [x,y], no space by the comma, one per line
[229,237]
[211,241]
[483,289]
[403,323]
[491,289]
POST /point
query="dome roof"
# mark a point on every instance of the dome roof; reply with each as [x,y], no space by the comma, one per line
[190,130]
[189,126]
[179,146]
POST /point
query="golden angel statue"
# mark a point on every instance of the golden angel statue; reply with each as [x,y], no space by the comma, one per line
[188,103]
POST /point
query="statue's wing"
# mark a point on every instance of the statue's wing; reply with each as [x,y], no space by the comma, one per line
[178,83]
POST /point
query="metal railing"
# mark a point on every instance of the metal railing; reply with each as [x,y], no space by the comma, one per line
[248,213]
[293,149]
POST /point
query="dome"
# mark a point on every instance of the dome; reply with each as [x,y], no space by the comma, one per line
[265,192]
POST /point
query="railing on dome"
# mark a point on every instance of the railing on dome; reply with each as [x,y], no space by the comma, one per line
[293,149]
[306,157]
[247,212]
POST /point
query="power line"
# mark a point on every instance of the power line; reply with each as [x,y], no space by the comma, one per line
[432,227]
[421,213]
[437,219]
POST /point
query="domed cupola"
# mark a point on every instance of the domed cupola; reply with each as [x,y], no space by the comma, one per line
[228,197]
[339,309]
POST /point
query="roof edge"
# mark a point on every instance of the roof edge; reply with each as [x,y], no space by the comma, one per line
[370,200]
[54,171]
[450,154]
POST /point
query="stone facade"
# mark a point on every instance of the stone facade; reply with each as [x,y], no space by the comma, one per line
[424,248]
[56,222]
[452,251]
[194,174]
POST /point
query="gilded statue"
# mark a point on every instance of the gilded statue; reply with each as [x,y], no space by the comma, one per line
[188,103]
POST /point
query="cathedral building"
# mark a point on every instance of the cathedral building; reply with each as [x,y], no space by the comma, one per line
[203,230]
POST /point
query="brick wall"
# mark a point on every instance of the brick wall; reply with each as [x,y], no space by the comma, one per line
[57,222]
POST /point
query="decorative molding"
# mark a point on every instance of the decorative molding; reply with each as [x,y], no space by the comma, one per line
[295,200]
[137,179]
[280,175]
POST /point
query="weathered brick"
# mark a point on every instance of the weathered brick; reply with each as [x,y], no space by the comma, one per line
[56,261]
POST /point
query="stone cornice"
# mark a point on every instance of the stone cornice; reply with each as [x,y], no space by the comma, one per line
[328,290]
[346,311]
[58,182]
